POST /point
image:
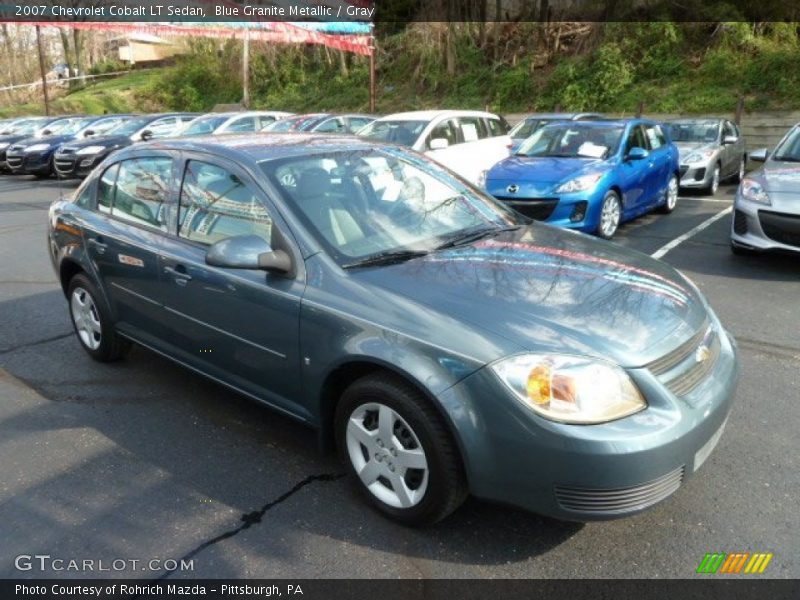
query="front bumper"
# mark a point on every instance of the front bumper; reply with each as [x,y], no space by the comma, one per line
[570,211]
[76,165]
[23,163]
[695,176]
[589,472]
[761,227]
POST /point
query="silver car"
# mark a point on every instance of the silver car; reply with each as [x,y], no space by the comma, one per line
[711,150]
[767,205]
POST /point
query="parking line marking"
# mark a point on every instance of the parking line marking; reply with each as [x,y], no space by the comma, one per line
[694,231]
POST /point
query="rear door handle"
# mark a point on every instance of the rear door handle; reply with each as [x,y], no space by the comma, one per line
[179,273]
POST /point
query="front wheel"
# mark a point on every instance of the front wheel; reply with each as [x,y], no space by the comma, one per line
[610,215]
[742,169]
[713,185]
[671,201]
[399,451]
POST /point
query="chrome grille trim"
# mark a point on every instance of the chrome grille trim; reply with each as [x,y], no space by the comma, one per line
[621,500]
[691,378]
[673,359]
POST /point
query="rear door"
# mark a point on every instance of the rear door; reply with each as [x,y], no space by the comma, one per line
[122,236]
[239,325]
[660,161]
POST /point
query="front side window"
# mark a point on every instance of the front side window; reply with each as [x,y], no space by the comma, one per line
[498,127]
[365,203]
[789,149]
[216,204]
[330,126]
[242,125]
[636,139]
[163,127]
[445,130]
[356,123]
[404,133]
[105,188]
[142,190]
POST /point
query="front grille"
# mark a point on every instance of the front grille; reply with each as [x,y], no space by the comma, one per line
[539,209]
[781,227]
[67,150]
[616,501]
[739,222]
[64,165]
[683,369]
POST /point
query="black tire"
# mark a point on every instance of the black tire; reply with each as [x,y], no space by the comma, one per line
[710,191]
[111,346]
[742,169]
[666,208]
[446,483]
[608,233]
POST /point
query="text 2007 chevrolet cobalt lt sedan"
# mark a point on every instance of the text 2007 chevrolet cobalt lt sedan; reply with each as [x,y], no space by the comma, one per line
[445,343]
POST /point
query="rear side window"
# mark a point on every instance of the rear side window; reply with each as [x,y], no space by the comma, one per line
[496,127]
[264,120]
[142,190]
[216,204]
[331,126]
[357,123]
[655,136]
[473,128]
[243,125]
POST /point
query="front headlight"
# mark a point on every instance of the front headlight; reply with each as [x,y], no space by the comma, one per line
[91,150]
[37,148]
[4,146]
[570,389]
[698,157]
[579,184]
[754,192]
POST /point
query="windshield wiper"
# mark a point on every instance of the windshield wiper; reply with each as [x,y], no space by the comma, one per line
[386,258]
[468,237]
[786,158]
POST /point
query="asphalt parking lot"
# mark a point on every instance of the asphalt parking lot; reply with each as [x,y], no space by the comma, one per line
[141,459]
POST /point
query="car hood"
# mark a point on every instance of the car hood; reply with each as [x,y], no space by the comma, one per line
[685,148]
[547,290]
[111,141]
[12,138]
[52,140]
[537,175]
[779,177]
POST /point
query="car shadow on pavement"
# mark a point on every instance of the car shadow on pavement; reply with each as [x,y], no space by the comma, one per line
[142,456]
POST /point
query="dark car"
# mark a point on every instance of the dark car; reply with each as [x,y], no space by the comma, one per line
[77,159]
[320,123]
[34,156]
[20,130]
[445,343]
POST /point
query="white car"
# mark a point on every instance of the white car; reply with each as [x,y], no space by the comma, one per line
[468,142]
[233,122]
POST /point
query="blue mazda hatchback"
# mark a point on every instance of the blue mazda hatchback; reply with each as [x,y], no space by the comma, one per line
[590,175]
[444,343]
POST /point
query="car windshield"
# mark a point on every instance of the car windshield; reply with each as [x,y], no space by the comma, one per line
[205,125]
[129,127]
[789,149]
[371,203]
[24,127]
[290,124]
[399,132]
[698,131]
[528,127]
[66,126]
[573,140]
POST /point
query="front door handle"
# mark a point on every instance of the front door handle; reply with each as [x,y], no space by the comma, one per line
[179,273]
[98,244]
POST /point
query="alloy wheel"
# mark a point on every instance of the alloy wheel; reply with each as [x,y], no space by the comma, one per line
[86,318]
[672,193]
[609,216]
[387,455]
[714,181]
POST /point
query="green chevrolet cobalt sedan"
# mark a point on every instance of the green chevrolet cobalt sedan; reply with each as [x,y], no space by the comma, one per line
[443,343]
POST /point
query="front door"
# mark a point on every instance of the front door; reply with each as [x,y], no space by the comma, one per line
[635,174]
[238,325]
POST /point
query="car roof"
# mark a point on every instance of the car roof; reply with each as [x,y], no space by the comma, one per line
[568,116]
[429,115]
[255,147]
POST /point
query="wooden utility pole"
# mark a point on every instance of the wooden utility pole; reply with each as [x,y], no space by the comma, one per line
[42,71]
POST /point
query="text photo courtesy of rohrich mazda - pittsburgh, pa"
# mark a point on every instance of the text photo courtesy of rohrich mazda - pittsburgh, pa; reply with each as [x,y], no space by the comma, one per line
[336,299]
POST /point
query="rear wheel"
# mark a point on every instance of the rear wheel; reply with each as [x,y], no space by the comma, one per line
[742,169]
[610,215]
[92,322]
[399,451]
[671,201]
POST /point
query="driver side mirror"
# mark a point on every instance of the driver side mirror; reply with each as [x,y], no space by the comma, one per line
[729,139]
[248,252]
[438,144]
[759,155]
[637,153]
[146,135]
